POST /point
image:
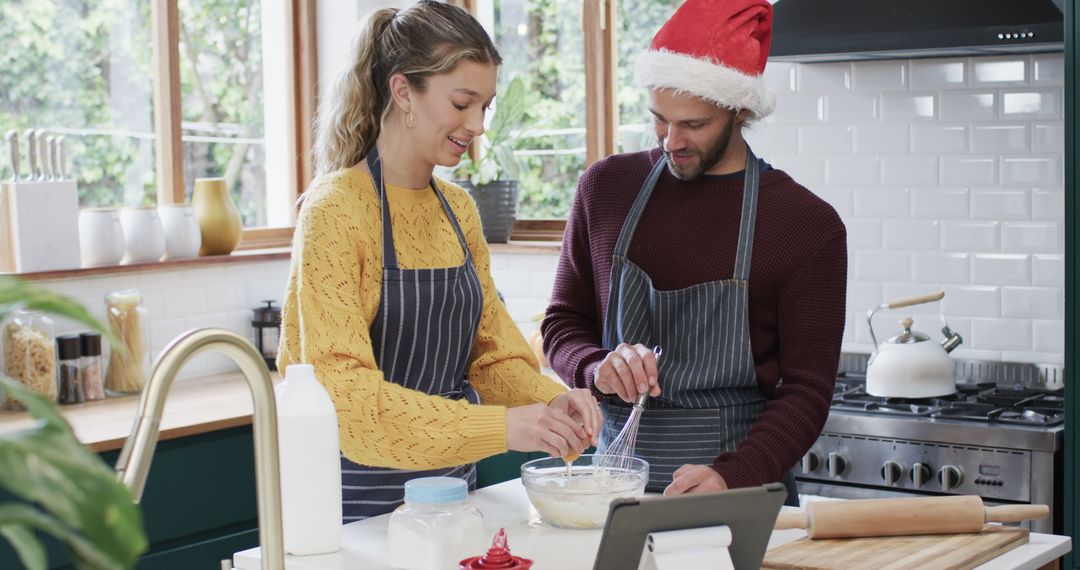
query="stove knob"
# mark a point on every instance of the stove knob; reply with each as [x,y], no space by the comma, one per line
[950,477]
[810,462]
[920,474]
[836,464]
[892,472]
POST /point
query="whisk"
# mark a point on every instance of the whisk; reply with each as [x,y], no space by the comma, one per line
[617,457]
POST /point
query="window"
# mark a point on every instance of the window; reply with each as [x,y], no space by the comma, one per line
[227,90]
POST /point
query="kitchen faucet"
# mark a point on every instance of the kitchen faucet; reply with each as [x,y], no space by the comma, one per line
[133,465]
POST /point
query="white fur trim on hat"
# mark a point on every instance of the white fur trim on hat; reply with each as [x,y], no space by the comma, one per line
[714,82]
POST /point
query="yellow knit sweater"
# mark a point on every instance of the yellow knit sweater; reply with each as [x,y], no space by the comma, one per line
[331,301]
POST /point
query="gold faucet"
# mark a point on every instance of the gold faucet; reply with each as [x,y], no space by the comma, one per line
[133,465]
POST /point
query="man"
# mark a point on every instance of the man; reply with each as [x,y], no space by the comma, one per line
[662,249]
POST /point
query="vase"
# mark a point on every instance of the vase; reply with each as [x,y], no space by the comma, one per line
[143,235]
[497,203]
[219,220]
[101,239]
[182,234]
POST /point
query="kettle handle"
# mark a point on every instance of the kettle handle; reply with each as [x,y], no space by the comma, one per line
[898,303]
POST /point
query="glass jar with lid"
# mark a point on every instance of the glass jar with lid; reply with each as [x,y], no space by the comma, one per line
[129,363]
[29,355]
[436,527]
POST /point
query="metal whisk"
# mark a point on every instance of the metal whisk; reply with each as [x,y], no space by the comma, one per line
[617,457]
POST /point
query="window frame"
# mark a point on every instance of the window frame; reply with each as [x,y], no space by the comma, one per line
[302,72]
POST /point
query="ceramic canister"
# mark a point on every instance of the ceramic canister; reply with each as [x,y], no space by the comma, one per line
[101,238]
[182,234]
[143,234]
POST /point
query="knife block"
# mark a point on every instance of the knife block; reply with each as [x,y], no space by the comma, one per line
[40,226]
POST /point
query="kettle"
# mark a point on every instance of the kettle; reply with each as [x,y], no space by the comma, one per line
[909,364]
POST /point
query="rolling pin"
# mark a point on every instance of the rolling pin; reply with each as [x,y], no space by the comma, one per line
[902,517]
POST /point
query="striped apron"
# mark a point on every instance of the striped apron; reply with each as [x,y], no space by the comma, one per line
[422,337]
[710,394]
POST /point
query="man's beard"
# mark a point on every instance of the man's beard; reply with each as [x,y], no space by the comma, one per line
[706,160]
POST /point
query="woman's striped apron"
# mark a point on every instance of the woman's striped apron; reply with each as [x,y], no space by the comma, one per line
[710,394]
[422,336]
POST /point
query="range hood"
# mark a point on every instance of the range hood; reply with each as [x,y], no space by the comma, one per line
[838,30]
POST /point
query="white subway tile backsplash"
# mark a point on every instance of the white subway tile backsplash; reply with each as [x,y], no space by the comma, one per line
[1048,137]
[1000,269]
[938,74]
[780,76]
[965,106]
[1048,270]
[852,171]
[882,203]
[989,71]
[969,171]
[220,298]
[940,203]
[807,170]
[825,140]
[1031,171]
[912,235]
[1002,334]
[939,139]
[940,267]
[823,77]
[990,139]
[914,170]
[770,140]
[970,236]
[972,301]
[1049,336]
[882,265]
[1032,237]
[851,108]
[513,283]
[799,110]
[880,76]
[881,139]
[864,234]
[908,107]
[1032,302]
[183,300]
[861,295]
[1000,204]
[841,199]
[1033,104]
[1048,68]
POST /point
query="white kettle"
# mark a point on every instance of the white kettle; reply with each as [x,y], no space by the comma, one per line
[909,364]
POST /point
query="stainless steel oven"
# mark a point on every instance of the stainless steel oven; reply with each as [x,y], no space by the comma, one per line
[999,437]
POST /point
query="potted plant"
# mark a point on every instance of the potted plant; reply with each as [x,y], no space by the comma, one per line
[61,487]
[490,172]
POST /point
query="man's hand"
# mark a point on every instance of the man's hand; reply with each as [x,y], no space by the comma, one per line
[695,479]
[628,371]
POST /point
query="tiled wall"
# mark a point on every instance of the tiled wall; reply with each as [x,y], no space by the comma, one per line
[949,175]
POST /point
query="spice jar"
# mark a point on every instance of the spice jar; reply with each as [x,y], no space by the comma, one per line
[29,356]
[266,325]
[129,364]
[70,385]
[436,527]
[90,366]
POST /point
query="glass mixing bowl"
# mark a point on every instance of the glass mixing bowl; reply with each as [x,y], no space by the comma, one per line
[581,498]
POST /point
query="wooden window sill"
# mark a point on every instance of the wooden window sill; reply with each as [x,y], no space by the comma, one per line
[245,256]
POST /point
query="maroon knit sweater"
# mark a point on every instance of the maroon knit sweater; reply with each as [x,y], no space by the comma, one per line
[687,235]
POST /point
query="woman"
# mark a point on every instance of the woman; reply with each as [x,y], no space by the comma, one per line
[390,294]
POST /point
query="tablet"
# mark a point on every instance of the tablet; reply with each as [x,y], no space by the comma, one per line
[750,513]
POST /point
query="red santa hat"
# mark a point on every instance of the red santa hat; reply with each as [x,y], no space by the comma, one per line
[716,50]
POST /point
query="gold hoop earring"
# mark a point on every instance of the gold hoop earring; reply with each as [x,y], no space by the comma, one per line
[408,120]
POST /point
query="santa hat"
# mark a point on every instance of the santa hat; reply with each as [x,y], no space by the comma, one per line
[716,50]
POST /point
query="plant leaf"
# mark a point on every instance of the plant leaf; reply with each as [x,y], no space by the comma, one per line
[83,553]
[22,539]
[509,111]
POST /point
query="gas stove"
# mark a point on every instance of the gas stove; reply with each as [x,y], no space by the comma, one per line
[996,437]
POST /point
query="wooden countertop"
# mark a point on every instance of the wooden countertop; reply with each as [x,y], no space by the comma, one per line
[194,406]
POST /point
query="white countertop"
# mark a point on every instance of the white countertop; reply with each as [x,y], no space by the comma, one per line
[506,506]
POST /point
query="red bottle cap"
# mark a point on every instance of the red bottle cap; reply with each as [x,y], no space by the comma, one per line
[498,557]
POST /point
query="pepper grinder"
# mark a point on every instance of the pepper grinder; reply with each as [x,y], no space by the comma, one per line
[266,324]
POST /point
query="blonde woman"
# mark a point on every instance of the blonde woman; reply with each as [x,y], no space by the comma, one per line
[390,294]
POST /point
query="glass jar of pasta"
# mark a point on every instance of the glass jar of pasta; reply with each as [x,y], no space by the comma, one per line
[29,356]
[129,363]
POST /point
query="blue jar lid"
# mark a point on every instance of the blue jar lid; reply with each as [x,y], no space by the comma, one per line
[435,490]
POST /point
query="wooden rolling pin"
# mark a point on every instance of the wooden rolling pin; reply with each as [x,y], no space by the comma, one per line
[901,517]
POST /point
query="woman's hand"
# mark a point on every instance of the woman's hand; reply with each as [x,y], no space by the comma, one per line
[539,427]
[581,406]
[628,371]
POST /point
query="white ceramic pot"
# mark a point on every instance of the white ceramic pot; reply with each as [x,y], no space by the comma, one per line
[182,234]
[143,234]
[101,238]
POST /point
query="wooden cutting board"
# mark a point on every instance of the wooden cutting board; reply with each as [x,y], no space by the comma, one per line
[927,552]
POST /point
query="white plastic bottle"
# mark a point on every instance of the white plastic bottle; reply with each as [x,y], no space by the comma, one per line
[310,463]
